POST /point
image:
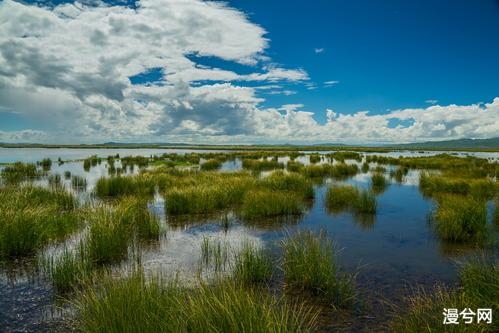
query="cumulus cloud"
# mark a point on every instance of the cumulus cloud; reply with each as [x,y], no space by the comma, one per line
[68,68]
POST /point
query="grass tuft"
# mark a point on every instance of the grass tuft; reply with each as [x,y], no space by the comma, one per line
[135,305]
[460,218]
[310,265]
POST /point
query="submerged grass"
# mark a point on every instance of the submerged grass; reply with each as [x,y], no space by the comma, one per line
[135,305]
[310,266]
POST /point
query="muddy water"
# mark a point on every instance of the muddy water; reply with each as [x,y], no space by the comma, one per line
[391,253]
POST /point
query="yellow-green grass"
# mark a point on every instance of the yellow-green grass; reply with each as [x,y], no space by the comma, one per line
[112,228]
[291,182]
[19,172]
[31,217]
[140,185]
[365,167]
[314,158]
[479,289]
[294,166]
[45,163]
[340,170]
[453,166]
[480,189]
[310,266]
[136,305]
[252,266]
[266,203]
[206,192]
[460,218]
[211,164]
[340,198]
[341,156]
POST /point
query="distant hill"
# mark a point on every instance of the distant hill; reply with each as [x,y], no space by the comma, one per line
[492,143]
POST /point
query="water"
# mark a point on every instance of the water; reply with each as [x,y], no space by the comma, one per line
[391,253]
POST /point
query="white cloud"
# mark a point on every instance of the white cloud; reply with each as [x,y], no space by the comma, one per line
[318,50]
[431,101]
[67,68]
[328,84]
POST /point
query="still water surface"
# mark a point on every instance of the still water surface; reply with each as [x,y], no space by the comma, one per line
[393,252]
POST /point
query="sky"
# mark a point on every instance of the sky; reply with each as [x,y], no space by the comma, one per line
[248,72]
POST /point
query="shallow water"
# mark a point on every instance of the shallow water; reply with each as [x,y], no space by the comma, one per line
[391,253]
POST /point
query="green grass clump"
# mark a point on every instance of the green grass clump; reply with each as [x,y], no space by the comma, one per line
[294,166]
[19,172]
[291,182]
[252,265]
[206,192]
[460,218]
[341,156]
[136,305]
[113,227]
[433,185]
[31,217]
[314,158]
[378,182]
[339,198]
[365,203]
[310,265]
[45,163]
[139,185]
[211,164]
[266,203]
[479,289]
[365,167]
[339,171]
[108,237]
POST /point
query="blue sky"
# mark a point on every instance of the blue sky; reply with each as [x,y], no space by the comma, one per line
[386,54]
[249,71]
